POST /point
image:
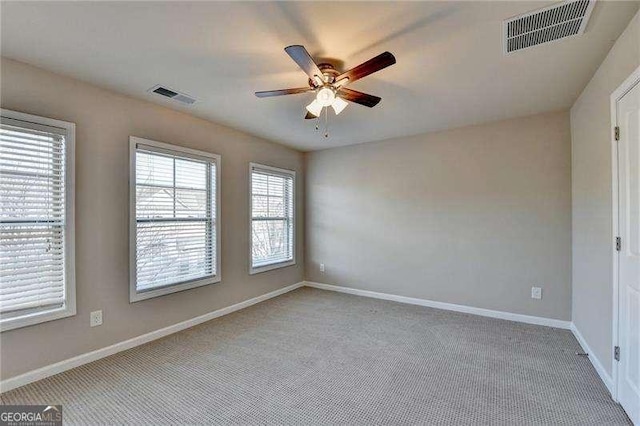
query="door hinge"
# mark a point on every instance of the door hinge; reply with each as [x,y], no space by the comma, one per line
[616,132]
[616,353]
[618,243]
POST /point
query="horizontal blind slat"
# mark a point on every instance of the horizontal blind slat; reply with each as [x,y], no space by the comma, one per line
[39,303]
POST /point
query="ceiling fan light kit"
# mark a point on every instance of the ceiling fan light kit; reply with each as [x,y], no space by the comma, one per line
[328,83]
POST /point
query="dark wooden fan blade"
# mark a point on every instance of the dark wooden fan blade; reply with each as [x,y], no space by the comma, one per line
[309,116]
[301,57]
[381,61]
[359,97]
[281,92]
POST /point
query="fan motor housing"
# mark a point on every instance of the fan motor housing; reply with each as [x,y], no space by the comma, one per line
[330,73]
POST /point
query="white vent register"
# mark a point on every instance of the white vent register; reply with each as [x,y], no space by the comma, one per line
[545,25]
[172,94]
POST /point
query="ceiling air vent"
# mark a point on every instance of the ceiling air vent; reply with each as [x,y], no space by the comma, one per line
[552,23]
[172,94]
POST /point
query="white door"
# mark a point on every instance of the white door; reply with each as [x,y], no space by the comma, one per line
[628,117]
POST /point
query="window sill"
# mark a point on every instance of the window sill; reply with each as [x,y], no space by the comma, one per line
[271,267]
[136,297]
[36,318]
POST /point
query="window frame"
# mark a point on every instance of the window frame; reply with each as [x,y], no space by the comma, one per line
[160,147]
[69,308]
[276,265]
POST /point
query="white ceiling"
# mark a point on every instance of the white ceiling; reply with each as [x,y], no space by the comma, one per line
[450,72]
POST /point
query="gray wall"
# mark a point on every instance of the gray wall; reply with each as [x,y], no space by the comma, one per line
[104,120]
[592,233]
[473,216]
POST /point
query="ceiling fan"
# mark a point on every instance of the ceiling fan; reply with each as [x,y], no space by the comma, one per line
[329,83]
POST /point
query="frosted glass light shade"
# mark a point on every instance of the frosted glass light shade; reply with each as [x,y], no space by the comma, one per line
[315,108]
[339,104]
[325,96]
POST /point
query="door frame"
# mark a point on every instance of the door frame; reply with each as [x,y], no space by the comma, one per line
[622,90]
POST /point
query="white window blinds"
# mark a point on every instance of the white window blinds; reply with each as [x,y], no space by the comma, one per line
[175,217]
[33,218]
[272,217]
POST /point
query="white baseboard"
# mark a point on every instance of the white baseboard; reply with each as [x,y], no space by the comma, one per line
[606,378]
[59,367]
[549,322]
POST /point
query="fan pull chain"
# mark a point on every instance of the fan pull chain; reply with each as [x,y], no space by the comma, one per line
[326,122]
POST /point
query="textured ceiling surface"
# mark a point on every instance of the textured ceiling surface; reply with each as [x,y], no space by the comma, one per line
[450,71]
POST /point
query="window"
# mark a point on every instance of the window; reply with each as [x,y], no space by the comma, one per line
[174,219]
[272,218]
[37,277]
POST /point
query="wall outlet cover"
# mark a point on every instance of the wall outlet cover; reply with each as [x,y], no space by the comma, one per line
[322,267]
[536,292]
[95,318]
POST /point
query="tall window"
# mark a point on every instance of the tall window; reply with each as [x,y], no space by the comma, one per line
[37,280]
[272,218]
[174,222]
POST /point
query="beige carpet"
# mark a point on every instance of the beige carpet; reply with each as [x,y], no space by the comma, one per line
[317,357]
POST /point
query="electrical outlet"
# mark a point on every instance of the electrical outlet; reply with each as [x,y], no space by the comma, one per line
[322,268]
[95,319]
[536,292]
